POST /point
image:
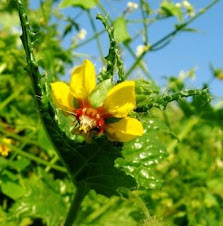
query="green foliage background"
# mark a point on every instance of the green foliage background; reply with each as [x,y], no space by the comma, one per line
[170,176]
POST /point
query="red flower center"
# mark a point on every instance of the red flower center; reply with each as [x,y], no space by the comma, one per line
[90,118]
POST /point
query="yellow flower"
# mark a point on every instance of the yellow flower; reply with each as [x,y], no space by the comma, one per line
[4,150]
[119,102]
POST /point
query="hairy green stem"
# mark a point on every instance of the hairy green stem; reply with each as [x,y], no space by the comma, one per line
[62,146]
[37,79]
[120,67]
[81,192]
[113,58]
[140,203]
[146,102]
[108,72]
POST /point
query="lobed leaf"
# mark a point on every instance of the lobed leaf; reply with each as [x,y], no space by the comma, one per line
[141,154]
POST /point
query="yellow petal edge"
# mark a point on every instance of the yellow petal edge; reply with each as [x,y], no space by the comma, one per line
[83,80]
[61,95]
[124,130]
[120,100]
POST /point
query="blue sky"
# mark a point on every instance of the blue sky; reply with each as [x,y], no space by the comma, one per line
[187,50]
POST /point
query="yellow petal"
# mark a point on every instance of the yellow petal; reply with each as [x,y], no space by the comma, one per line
[124,130]
[120,100]
[61,95]
[83,80]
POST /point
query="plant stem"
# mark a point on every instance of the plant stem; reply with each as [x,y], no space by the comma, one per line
[20,138]
[42,105]
[104,11]
[98,213]
[34,158]
[81,192]
[140,203]
[97,36]
[182,26]
[144,15]
[142,64]
[22,145]
[51,163]
[88,40]
[10,98]
[137,61]
[108,71]
[168,36]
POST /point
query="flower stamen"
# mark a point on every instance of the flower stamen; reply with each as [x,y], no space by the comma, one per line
[87,123]
[89,119]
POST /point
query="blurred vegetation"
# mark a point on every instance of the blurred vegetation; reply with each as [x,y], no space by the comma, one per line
[178,166]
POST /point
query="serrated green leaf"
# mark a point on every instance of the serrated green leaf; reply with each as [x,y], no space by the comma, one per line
[94,164]
[141,154]
[86,4]
[91,163]
[98,95]
[120,30]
